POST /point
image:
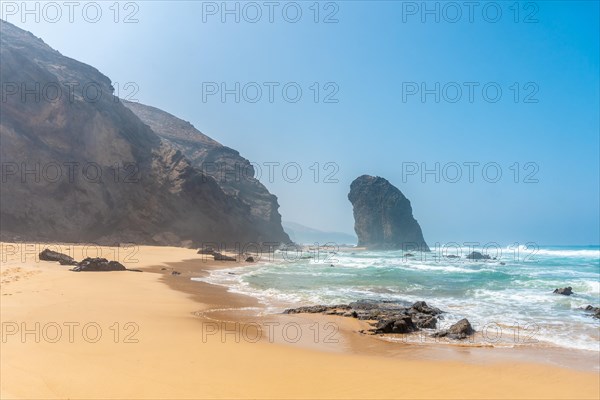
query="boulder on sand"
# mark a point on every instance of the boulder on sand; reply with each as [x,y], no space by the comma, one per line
[209,251]
[222,257]
[460,330]
[63,259]
[98,264]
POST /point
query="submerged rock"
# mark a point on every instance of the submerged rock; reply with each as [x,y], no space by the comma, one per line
[478,256]
[63,259]
[383,216]
[594,310]
[566,291]
[98,264]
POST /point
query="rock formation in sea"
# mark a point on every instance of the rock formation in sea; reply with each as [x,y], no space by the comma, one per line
[392,317]
[566,291]
[80,166]
[387,316]
[383,216]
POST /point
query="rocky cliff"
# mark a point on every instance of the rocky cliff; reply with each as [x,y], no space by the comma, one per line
[77,165]
[383,216]
[234,174]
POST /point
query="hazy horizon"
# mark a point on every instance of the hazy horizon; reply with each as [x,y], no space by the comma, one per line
[542,134]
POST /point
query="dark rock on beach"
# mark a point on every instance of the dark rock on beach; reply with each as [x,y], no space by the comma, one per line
[478,256]
[389,316]
[63,259]
[314,309]
[403,324]
[383,217]
[250,259]
[566,291]
[98,264]
[209,251]
[460,330]
[222,257]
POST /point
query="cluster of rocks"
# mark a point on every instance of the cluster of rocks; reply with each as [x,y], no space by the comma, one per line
[88,264]
[594,310]
[476,256]
[567,291]
[221,257]
[392,317]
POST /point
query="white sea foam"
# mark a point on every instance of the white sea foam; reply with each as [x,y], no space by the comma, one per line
[484,292]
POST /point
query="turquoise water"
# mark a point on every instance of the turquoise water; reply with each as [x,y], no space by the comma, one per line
[492,296]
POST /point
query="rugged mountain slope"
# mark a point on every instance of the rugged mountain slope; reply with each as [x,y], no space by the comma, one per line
[233,173]
[383,216]
[83,167]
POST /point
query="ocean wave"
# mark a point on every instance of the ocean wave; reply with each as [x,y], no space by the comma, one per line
[483,292]
[575,253]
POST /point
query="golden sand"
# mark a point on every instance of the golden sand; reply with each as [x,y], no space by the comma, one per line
[151,335]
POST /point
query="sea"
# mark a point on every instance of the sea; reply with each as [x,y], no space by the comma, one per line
[509,299]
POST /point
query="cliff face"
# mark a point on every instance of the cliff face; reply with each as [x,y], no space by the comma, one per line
[383,216]
[82,167]
[233,173]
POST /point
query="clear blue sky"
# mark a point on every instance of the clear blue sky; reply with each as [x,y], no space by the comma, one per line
[371,53]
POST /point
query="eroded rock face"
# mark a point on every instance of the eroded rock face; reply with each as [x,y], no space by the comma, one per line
[383,216]
[103,175]
[234,174]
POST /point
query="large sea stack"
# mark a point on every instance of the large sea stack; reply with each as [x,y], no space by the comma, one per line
[80,166]
[383,216]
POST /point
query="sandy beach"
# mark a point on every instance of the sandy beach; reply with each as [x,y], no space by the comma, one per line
[154,335]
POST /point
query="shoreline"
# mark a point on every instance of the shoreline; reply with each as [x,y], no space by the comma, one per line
[404,346]
[179,354]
